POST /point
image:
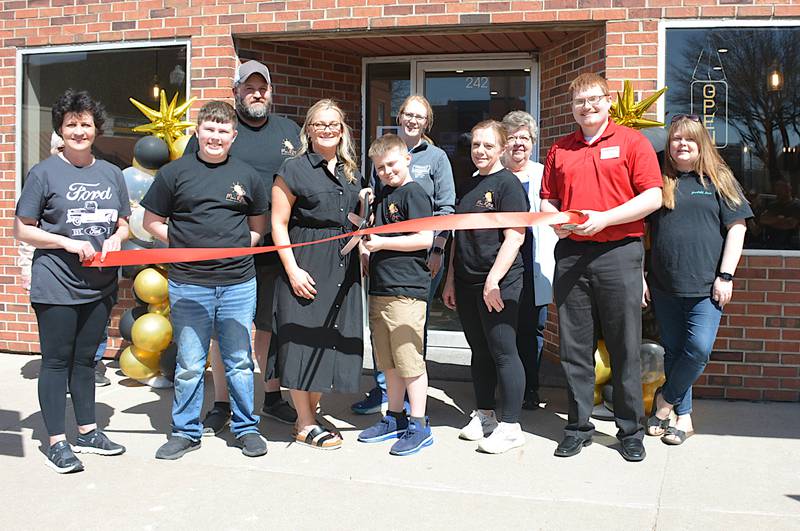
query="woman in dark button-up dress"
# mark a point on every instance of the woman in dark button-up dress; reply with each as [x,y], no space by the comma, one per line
[318,299]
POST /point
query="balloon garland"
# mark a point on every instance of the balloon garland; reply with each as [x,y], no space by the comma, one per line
[150,358]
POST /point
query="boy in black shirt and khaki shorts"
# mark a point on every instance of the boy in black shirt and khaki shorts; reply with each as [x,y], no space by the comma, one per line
[399,280]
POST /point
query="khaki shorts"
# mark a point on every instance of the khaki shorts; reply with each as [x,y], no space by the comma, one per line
[398,329]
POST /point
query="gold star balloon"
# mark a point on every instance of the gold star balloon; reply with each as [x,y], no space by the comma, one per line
[626,112]
[165,123]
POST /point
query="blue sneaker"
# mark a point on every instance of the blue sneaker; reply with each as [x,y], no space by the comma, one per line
[372,403]
[414,439]
[387,428]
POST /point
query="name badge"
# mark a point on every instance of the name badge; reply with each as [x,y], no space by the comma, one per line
[609,153]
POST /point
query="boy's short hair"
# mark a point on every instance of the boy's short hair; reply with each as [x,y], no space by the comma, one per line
[588,80]
[384,144]
[217,111]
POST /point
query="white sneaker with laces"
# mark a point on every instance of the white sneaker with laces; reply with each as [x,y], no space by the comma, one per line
[480,426]
[506,436]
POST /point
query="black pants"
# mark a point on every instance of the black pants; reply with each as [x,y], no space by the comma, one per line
[598,288]
[528,334]
[492,336]
[68,337]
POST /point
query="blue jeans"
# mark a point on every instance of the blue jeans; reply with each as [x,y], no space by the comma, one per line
[196,313]
[688,327]
[380,378]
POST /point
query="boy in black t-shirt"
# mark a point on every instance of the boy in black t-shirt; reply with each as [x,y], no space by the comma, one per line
[399,281]
[211,200]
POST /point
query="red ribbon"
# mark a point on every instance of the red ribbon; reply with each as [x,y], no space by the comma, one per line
[483,220]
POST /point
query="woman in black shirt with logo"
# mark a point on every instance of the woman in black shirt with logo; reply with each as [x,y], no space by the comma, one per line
[484,284]
[696,242]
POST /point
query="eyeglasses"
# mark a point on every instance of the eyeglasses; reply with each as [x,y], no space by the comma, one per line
[334,127]
[591,100]
[692,117]
[412,116]
[519,138]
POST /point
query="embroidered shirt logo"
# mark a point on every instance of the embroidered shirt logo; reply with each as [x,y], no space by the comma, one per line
[702,192]
[487,201]
[394,213]
[237,193]
[287,149]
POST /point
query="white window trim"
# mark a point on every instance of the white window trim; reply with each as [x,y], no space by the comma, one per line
[21,52]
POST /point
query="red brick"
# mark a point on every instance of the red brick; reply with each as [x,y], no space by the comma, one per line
[743,394]
[764,309]
[764,261]
[790,359]
[715,368]
[789,372]
[744,370]
[724,380]
[772,383]
[782,396]
[790,383]
[762,357]
[708,392]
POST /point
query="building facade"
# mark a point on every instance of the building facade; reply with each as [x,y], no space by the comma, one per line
[730,61]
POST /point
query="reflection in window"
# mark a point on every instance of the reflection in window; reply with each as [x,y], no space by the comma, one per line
[111,76]
[745,84]
[388,85]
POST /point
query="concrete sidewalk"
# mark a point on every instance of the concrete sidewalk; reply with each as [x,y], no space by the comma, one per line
[741,471]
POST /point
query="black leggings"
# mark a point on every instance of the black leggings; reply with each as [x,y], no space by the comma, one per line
[68,337]
[492,336]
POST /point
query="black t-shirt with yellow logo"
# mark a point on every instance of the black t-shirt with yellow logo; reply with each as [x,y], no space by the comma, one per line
[477,249]
[207,206]
[394,272]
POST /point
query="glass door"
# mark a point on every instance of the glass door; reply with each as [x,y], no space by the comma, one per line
[463,93]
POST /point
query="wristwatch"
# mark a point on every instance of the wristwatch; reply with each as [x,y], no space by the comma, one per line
[437,250]
[727,277]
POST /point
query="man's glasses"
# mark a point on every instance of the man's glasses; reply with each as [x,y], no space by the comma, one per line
[692,117]
[412,116]
[334,127]
[591,100]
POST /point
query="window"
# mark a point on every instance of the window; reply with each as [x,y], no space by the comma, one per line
[111,76]
[745,85]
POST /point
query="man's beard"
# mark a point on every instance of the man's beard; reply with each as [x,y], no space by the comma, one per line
[253,112]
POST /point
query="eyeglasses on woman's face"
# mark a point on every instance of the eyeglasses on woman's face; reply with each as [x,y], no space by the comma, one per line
[412,116]
[333,127]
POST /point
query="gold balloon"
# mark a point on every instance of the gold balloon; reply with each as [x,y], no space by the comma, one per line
[626,112]
[161,308]
[178,147]
[133,368]
[150,359]
[602,364]
[165,123]
[649,391]
[135,164]
[151,332]
[150,285]
[598,395]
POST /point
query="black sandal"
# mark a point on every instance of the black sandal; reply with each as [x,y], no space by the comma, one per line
[654,423]
[680,436]
[320,438]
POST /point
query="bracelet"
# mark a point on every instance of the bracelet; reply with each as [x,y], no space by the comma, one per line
[727,277]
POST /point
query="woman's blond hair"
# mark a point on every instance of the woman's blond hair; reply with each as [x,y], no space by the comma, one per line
[709,164]
[345,151]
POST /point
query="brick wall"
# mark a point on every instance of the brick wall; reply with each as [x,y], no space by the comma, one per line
[625,47]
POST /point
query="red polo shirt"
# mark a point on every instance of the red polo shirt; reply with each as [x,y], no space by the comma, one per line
[618,166]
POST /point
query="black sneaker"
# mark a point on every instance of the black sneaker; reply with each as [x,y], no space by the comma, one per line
[176,447]
[253,445]
[100,379]
[216,420]
[96,442]
[61,459]
[281,411]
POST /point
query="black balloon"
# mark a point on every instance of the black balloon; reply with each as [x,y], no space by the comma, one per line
[167,361]
[151,152]
[127,320]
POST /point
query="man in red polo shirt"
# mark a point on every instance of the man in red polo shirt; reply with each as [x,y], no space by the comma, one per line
[610,173]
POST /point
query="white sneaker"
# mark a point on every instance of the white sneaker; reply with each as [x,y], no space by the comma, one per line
[506,436]
[479,427]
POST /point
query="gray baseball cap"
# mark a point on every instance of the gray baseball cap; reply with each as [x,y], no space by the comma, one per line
[249,68]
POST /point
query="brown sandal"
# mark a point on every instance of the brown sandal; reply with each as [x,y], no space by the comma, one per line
[320,438]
